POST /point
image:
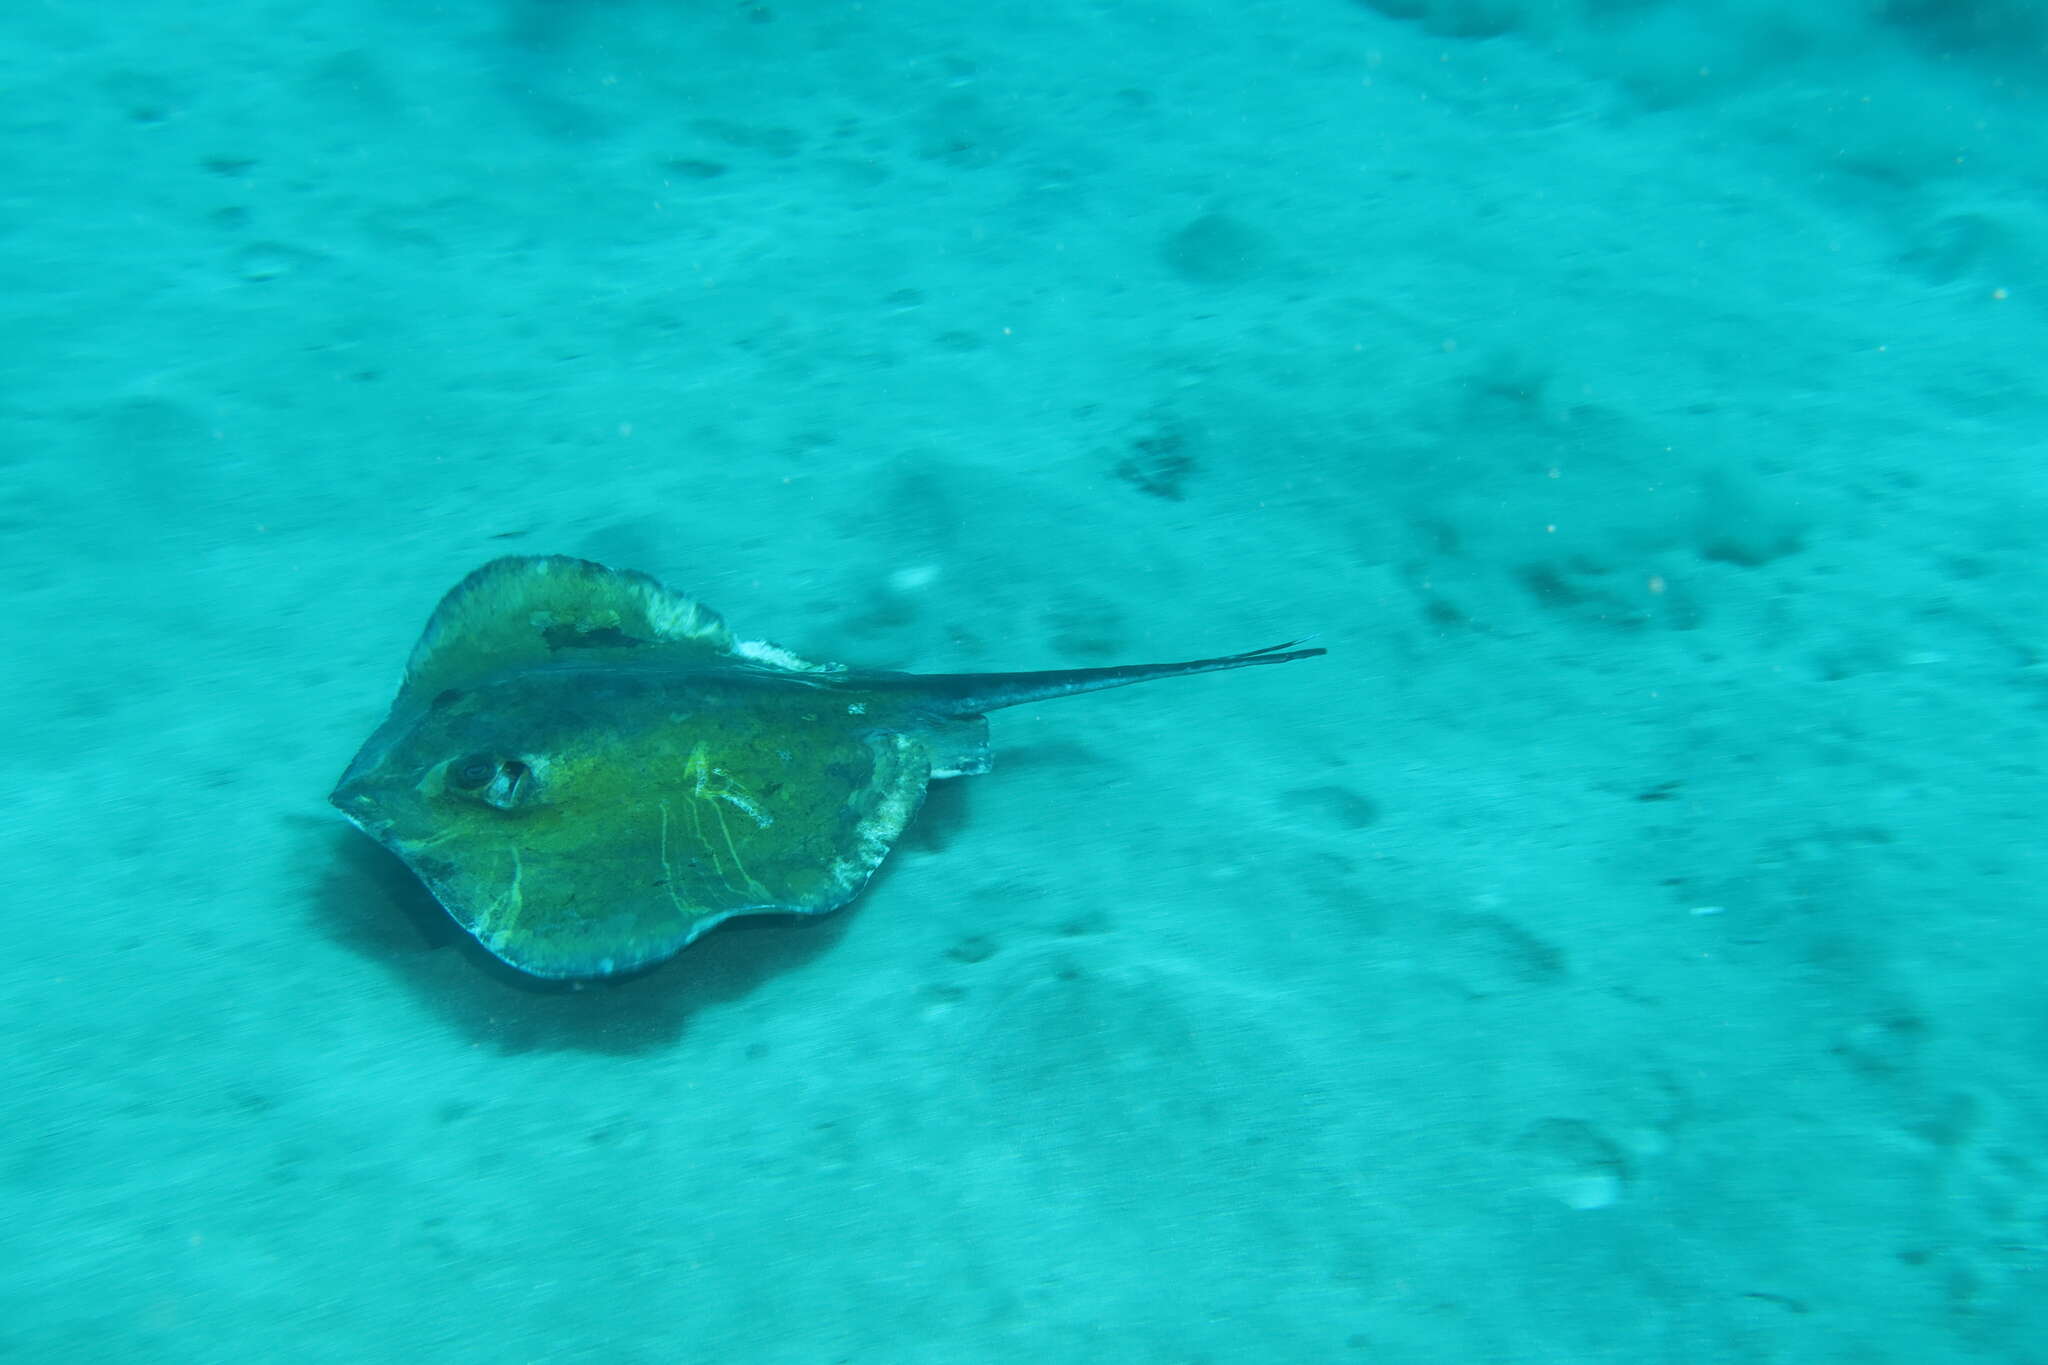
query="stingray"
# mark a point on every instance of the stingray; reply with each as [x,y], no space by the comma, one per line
[589,771]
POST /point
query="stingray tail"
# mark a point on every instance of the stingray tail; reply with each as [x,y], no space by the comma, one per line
[966,694]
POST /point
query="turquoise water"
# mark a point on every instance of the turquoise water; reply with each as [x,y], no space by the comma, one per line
[1626,945]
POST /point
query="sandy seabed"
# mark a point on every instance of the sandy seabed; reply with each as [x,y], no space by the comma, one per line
[1626,945]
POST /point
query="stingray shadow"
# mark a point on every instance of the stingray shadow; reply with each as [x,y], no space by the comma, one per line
[370,903]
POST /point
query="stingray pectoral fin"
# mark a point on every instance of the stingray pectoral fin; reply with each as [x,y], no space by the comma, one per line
[641,840]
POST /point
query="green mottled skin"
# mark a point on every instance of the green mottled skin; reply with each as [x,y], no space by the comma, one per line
[679,772]
[589,772]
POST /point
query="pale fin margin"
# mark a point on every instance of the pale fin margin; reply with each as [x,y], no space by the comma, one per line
[526,610]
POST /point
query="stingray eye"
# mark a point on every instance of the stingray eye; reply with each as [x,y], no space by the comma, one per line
[472,772]
[511,783]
